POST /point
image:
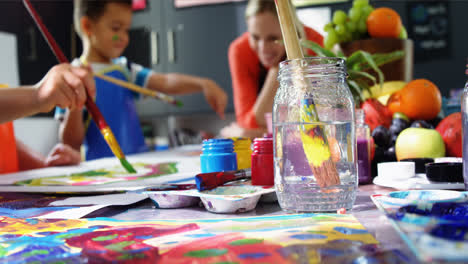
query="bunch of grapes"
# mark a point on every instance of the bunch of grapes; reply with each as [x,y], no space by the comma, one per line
[347,27]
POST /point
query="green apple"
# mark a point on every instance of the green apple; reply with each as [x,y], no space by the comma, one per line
[415,142]
[403,34]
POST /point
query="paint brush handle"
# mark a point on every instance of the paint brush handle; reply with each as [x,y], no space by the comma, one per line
[161,96]
[211,180]
[90,105]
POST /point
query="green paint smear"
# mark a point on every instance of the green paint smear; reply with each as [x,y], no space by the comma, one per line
[246,241]
[162,169]
[104,238]
[127,256]
[35,252]
[67,235]
[206,253]
[3,251]
[60,262]
[119,246]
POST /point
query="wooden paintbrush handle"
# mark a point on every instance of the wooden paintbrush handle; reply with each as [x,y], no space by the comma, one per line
[290,37]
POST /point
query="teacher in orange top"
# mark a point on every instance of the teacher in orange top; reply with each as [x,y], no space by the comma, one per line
[253,60]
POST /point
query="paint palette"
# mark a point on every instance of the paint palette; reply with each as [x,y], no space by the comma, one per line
[434,223]
[223,199]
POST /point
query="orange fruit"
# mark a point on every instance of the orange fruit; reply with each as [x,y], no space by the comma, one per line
[384,22]
[419,99]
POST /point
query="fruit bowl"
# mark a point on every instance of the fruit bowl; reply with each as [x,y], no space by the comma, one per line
[401,69]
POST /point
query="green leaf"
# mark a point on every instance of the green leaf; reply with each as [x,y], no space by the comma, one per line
[368,58]
[353,74]
[319,50]
[384,58]
[357,91]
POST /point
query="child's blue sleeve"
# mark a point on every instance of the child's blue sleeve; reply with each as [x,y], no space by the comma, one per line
[59,113]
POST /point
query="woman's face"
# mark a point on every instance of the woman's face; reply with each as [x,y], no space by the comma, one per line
[265,36]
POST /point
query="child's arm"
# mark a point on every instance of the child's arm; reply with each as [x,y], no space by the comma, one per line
[264,102]
[175,83]
[29,159]
[72,130]
[63,86]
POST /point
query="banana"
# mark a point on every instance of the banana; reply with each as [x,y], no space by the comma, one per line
[387,88]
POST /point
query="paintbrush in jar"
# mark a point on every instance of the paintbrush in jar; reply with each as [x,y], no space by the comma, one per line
[313,137]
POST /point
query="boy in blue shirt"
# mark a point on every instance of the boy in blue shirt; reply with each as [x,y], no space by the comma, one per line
[103,27]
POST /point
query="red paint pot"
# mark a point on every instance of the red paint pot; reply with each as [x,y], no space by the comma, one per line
[262,162]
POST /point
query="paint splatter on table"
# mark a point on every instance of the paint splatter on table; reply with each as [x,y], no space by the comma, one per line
[274,239]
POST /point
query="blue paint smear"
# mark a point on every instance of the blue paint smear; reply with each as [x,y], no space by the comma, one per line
[350,231]
[253,255]
[171,242]
[190,179]
[447,211]
[144,237]
[308,236]
[29,212]
[200,235]
[453,231]
[333,252]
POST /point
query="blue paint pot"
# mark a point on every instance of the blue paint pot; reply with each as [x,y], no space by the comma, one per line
[218,155]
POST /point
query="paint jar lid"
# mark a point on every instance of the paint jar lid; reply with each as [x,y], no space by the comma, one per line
[218,145]
[263,145]
[399,170]
[420,163]
[445,172]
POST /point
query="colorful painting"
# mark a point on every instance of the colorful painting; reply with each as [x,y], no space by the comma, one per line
[103,176]
[304,238]
[433,223]
[107,175]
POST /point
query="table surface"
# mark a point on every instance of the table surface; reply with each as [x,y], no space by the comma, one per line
[364,210]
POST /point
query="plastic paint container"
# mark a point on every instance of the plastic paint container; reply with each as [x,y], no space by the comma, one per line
[243,152]
[445,172]
[218,155]
[262,162]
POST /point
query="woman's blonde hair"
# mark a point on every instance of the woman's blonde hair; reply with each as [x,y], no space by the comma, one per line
[255,7]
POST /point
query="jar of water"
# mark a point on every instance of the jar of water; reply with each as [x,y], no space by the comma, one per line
[314,136]
[464,111]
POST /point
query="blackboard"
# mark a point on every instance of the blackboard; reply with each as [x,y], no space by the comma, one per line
[429,28]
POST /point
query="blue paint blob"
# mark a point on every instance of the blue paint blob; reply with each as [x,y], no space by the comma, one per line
[308,236]
[171,242]
[350,231]
[253,255]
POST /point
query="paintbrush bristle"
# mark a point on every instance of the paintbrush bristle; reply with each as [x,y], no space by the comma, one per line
[326,175]
[207,181]
[127,165]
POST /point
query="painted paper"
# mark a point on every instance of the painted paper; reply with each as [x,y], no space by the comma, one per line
[304,238]
[18,205]
[107,175]
[433,223]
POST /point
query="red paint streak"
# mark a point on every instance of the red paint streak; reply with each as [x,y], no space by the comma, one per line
[176,254]
[101,252]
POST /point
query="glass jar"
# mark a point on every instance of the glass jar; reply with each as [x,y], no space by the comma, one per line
[363,137]
[218,155]
[464,111]
[314,136]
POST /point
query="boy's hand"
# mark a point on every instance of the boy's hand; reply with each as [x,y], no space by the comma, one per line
[215,96]
[62,155]
[65,86]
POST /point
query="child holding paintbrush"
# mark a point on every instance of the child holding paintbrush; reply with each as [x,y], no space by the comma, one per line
[103,27]
[63,86]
